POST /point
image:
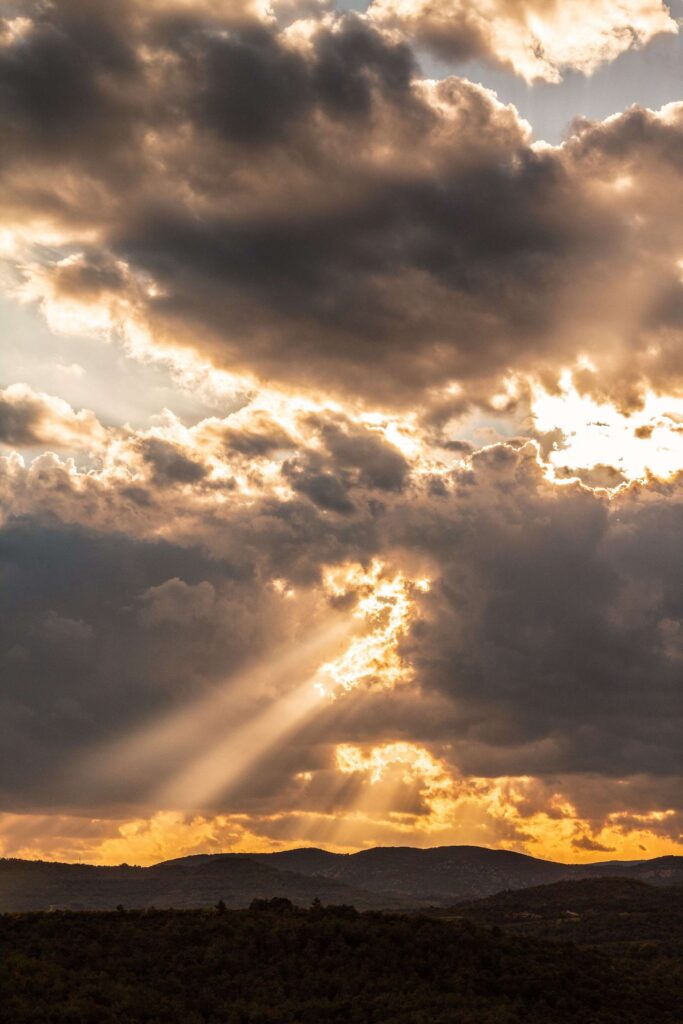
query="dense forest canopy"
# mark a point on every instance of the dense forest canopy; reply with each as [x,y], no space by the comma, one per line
[278,964]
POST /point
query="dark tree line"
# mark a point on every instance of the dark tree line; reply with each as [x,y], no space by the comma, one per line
[277,964]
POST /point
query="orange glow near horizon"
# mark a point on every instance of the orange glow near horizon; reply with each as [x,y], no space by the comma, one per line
[167,834]
[404,796]
[341,431]
[402,793]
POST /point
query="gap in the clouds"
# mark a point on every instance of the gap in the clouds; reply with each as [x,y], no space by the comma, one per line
[91,373]
[650,77]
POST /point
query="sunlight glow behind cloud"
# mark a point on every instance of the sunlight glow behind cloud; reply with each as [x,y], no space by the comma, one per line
[328,544]
[646,442]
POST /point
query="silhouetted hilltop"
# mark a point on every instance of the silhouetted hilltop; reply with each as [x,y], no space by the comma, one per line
[459,872]
[40,885]
[380,878]
[430,875]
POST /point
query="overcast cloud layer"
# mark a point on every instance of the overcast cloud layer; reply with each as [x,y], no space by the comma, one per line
[376,286]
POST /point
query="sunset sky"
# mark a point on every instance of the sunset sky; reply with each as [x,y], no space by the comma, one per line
[341,427]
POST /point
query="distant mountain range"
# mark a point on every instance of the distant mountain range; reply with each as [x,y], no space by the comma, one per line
[388,878]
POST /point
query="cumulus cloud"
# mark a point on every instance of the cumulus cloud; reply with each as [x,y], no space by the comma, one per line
[400,516]
[549,587]
[168,462]
[525,657]
[29,419]
[337,224]
[538,39]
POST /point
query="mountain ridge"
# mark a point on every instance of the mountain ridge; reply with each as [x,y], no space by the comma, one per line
[461,872]
[380,878]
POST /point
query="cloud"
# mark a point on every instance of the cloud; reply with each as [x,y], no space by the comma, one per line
[365,457]
[548,606]
[262,435]
[177,602]
[389,282]
[114,840]
[59,629]
[586,843]
[537,39]
[71,687]
[360,231]
[168,463]
[546,620]
[29,419]
[285,232]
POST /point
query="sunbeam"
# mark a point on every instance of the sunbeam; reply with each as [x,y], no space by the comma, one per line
[385,607]
[201,751]
[167,747]
[216,772]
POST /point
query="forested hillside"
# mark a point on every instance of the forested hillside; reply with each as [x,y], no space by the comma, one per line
[277,964]
[38,885]
[595,911]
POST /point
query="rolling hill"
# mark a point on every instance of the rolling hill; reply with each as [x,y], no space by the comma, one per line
[592,911]
[40,885]
[450,873]
[382,878]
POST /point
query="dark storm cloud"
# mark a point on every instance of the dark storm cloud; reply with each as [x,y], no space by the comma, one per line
[254,91]
[302,207]
[98,632]
[398,282]
[67,87]
[297,538]
[550,644]
[324,489]
[365,456]
[102,631]
[307,209]
[551,611]
[354,460]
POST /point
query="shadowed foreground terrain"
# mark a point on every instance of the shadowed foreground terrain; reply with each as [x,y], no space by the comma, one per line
[278,964]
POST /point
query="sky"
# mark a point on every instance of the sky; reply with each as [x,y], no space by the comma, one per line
[341,427]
